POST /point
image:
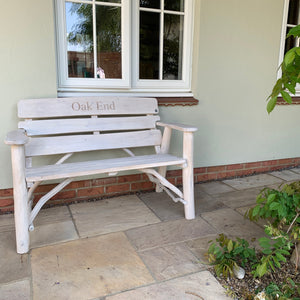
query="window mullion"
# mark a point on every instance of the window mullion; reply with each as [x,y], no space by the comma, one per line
[161,41]
[94,39]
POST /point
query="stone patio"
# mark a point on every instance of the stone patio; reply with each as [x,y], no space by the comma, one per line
[130,247]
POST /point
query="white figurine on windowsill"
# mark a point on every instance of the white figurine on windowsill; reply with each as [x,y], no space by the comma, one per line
[100,73]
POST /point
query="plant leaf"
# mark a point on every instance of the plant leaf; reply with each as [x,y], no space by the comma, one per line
[280,257]
[271,104]
[290,87]
[255,210]
[295,31]
[274,206]
[286,97]
[261,269]
[271,198]
[289,57]
[230,245]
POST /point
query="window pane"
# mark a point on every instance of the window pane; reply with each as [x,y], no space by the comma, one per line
[177,5]
[150,3]
[290,42]
[293,16]
[173,42]
[149,45]
[108,29]
[80,40]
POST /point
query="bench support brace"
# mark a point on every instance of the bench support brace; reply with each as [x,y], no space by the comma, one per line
[165,185]
[45,198]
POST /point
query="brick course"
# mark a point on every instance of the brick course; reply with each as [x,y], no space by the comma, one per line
[120,185]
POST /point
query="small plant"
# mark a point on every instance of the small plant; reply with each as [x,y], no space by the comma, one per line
[282,209]
[279,206]
[229,254]
[286,291]
[274,252]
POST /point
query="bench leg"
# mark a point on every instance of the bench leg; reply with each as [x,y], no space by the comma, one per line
[165,145]
[21,206]
[188,176]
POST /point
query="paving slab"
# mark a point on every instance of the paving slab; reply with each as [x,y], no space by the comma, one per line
[163,206]
[54,233]
[15,290]
[13,266]
[214,187]
[252,181]
[171,261]
[205,202]
[287,175]
[166,209]
[164,233]
[111,215]
[52,215]
[7,223]
[87,268]
[239,198]
[201,285]
[232,223]
[296,170]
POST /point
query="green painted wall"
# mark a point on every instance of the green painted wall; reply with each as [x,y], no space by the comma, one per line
[27,60]
[235,62]
[238,59]
[235,57]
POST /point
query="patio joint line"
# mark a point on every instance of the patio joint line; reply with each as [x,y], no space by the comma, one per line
[73,220]
[30,274]
[149,208]
[229,185]
[149,270]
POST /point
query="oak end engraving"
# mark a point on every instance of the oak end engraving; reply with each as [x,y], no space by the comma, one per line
[98,106]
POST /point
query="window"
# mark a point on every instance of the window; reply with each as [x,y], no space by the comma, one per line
[124,45]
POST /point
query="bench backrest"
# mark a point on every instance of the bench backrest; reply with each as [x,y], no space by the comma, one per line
[67,125]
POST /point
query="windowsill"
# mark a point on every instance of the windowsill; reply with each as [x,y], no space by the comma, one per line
[296,101]
[174,101]
[164,99]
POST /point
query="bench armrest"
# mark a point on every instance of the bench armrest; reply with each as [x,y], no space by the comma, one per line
[177,126]
[16,137]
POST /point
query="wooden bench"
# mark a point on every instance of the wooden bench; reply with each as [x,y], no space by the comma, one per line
[66,126]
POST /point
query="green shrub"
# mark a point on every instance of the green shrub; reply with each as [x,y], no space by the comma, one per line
[228,254]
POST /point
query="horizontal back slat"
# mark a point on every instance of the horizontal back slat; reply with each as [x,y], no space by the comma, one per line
[64,126]
[79,143]
[86,106]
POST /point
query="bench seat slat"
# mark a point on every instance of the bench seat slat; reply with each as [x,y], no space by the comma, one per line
[65,126]
[80,143]
[51,172]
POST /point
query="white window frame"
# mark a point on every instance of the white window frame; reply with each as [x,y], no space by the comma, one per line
[283,39]
[62,60]
[130,49]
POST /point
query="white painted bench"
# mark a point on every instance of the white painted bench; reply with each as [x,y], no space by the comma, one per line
[66,126]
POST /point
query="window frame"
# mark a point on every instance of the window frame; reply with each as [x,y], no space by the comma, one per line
[62,60]
[130,49]
[282,42]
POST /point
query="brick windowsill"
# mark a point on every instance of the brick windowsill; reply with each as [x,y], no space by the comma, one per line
[174,101]
[296,101]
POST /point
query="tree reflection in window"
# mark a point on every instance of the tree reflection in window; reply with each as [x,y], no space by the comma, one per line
[80,20]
